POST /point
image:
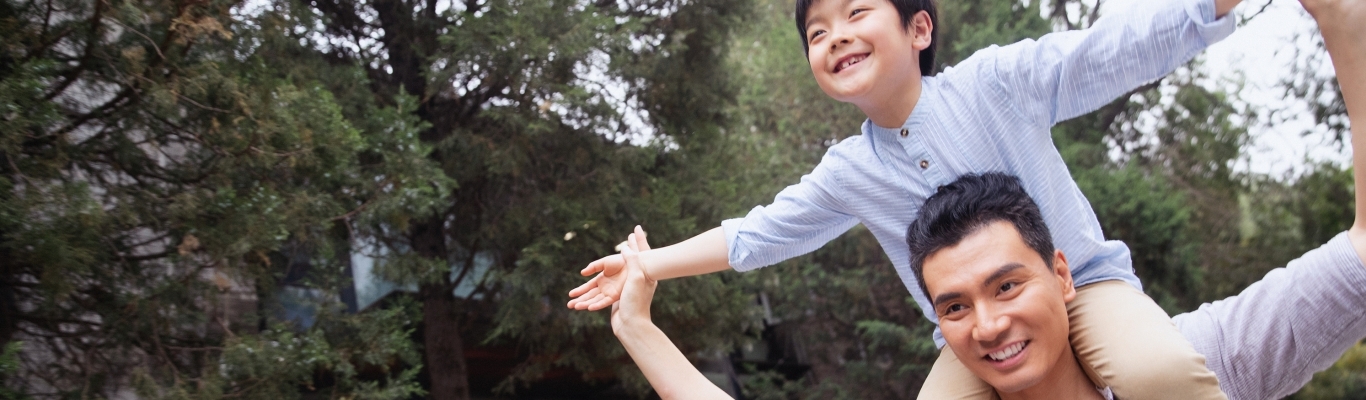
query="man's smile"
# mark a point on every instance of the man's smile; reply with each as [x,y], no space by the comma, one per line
[1008,356]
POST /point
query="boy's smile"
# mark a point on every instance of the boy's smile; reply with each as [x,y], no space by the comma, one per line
[861,53]
[848,61]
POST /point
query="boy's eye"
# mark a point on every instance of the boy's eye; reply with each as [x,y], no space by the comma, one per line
[856,12]
[815,34]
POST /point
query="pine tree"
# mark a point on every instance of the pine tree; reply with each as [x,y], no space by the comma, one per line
[162,169]
[535,111]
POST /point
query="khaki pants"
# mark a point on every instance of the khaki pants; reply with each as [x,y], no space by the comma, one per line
[1123,340]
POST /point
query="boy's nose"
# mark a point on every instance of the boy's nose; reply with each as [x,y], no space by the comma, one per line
[840,40]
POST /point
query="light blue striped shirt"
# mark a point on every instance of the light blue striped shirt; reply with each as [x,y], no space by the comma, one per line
[992,112]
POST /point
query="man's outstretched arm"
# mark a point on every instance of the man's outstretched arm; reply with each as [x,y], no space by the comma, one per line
[668,371]
[1270,339]
[1344,34]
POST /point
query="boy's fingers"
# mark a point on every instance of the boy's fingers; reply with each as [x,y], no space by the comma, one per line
[611,265]
[602,303]
[588,299]
[578,291]
[593,267]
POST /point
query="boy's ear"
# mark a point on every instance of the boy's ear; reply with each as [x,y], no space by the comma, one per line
[922,29]
[1064,275]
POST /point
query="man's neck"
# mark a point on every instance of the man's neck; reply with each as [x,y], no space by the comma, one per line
[1067,381]
[892,104]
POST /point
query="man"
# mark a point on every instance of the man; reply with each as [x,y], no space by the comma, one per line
[1003,292]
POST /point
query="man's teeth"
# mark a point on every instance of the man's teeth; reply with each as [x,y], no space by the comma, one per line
[1007,352]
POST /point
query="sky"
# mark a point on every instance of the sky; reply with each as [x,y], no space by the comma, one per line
[1259,54]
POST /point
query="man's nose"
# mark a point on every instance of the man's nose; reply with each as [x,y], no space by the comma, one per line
[989,326]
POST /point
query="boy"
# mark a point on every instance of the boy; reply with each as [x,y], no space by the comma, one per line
[992,112]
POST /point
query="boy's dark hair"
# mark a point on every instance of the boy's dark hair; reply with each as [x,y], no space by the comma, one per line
[968,204]
[907,9]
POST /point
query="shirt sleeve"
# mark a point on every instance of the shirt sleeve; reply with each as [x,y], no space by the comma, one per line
[1269,340]
[802,218]
[1063,75]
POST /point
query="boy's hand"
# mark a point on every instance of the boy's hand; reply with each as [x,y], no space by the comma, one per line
[604,289]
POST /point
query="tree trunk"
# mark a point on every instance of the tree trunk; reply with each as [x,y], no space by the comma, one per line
[444,352]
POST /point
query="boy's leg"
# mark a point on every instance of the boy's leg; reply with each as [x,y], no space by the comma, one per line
[950,380]
[1125,341]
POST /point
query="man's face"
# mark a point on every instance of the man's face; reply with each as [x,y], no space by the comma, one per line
[1001,308]
[859,51]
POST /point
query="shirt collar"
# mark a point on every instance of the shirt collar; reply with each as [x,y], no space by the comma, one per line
[924,107]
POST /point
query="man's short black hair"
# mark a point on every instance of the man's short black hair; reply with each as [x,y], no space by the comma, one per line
[968,204]
[907,9]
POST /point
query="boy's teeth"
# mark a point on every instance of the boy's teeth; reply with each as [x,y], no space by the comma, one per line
[1007,352]
[850,61]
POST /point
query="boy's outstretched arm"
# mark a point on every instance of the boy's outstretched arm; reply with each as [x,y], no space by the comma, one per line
[1064,75]
[702,254]
[1344,35]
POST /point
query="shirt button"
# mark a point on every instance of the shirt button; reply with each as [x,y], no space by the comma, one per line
[924,164]
[905,132]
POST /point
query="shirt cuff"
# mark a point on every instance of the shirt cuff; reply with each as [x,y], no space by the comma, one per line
[734,254]
[1211,30]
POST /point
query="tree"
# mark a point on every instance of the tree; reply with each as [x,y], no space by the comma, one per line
[161,169]
[534,110]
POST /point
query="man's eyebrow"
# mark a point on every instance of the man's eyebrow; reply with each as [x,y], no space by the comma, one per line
[946,297]
[1005,269]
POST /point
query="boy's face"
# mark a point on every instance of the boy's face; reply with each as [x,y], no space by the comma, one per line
[860,53]
[1001,309]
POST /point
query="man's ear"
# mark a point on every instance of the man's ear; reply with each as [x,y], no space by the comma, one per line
[921,29]
[1064,275]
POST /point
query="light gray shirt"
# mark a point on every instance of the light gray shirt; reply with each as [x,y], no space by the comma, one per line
[990,113]
[1269,340]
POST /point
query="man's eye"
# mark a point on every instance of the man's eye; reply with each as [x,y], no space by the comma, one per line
[953,308]
[1005,287]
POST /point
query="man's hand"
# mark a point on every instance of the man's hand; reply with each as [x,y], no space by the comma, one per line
[1341,20]
[639,290]
[1343,25]
[1223,7]
[604,289]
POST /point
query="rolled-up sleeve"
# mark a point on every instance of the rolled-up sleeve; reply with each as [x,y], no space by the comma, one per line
[802,218]
[1269,340]
[1066,74]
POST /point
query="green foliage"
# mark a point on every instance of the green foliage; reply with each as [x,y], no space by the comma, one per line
[165,159]
[9,364]
[278,363]
[1345,380]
